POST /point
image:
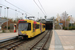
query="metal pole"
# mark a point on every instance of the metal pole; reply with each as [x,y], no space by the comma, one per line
[45,17]
[4,12]
[41,19]
[0,15]
[53,23]
[38,14]
[71,20]
[0,10]
[68,22]
[7,17]
[65,18]
[16,14]
[26,16]
[22,14]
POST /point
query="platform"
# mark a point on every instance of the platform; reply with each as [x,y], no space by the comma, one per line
[63,40]
[7,36]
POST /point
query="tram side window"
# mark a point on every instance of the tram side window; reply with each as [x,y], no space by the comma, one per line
[37,26]
[29,26]
[43,26]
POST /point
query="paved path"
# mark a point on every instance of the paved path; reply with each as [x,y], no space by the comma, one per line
[7,36]
[63,40]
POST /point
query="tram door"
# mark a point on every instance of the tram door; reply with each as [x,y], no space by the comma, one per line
[40,27]
[33,29]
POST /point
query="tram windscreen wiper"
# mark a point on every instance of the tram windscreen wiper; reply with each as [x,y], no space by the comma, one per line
[24,29]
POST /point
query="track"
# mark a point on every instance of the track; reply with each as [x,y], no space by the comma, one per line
[31,42]
[41,43]
[11,44]
[8,44]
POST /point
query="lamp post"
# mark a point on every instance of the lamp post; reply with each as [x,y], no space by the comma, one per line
[53,23]
[71,20]
[4,12]
[0,15]
[22,14]
[45,17]
[38,14]
[16,15]
[0,10]
[26,16]
[7,17]
[65,18]
[68,23]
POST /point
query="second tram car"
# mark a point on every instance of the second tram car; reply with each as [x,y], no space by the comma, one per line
[29,28]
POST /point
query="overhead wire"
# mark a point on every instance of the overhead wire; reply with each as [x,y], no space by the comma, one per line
[10,8]
[39,7]
[42,7]
[17,7]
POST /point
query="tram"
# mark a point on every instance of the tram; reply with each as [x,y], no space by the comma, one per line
[29,28]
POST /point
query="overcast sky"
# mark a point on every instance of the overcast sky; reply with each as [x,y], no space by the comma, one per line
[52,7]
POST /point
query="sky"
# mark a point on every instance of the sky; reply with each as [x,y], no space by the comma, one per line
[51,7]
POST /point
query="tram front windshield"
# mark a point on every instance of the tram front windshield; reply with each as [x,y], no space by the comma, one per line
[24,26]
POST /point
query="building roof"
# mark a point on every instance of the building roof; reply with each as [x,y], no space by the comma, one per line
[47,20]
[2,21]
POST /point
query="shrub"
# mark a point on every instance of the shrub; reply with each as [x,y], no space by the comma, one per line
[71,28]
[65,28]
[5,27]
[9,27]
[3,31]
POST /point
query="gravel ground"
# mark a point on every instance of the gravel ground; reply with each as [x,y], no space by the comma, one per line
[30,43]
